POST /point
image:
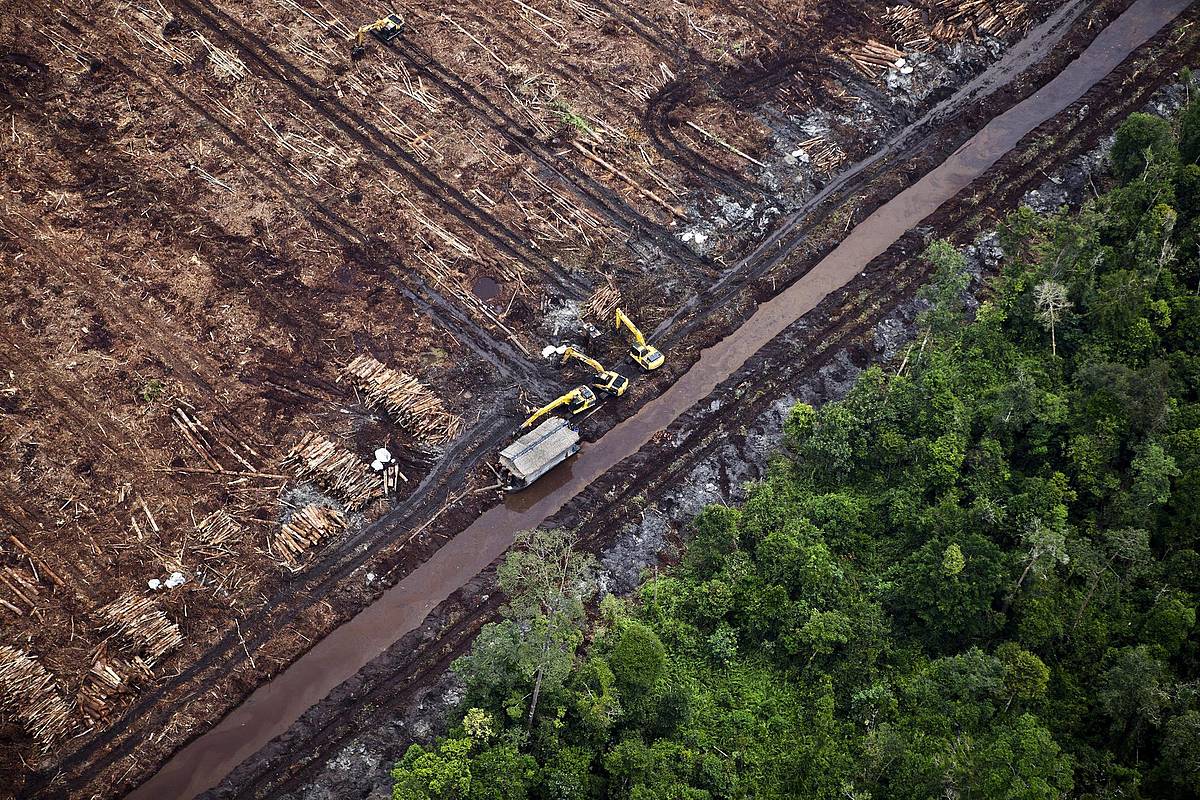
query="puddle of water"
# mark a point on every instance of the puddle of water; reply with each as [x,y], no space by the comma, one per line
[271,709]
[485,288]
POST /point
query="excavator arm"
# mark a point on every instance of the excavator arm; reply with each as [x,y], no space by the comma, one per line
[385,29]
[594,365]
[646,355]
[625,322]
[607,380]
[579,399]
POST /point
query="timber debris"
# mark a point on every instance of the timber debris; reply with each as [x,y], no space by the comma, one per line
[215,533]
[909,31]
[336,470]
[873,58]
[602,302]
[107,679]
[143,625]
[307,528]
[29,694]
[411,403]
[971,17]
[23,588]
[819,153]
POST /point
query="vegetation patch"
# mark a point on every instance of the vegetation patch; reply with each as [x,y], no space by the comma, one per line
[974,577]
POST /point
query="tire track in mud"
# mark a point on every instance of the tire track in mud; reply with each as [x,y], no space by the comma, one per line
[491,531]
[375,702]
[230,651]
[609,203]
[374,142]
[288,190]
[592,192]
[705,170]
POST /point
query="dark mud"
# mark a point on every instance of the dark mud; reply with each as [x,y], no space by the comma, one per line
[271,708]
[706,476]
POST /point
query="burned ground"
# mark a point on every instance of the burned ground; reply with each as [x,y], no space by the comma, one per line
[210,209]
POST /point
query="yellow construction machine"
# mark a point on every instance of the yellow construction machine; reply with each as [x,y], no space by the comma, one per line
[608,381]
[647,356]
[385,29]
[578,400]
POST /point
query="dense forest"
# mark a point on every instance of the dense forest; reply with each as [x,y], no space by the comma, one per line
[975,577]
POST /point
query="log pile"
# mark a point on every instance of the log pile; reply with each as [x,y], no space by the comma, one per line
[873,58]
[141,623]
[819,153]
[29,694]
[108,678]
[335,469]
[411,403]
[970,18]
[603,301]
[215,533]
[908,28]
[307,527]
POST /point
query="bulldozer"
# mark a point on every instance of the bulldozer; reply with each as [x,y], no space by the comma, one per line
[646,355]
[578,400]
[607,381]
[385,29]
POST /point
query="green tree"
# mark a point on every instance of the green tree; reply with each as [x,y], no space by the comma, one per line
[1133,690]
[547,580]
[1142,139]
[1020,762]
[1025,675]
[638,659]
[1189,133]
[1178,768]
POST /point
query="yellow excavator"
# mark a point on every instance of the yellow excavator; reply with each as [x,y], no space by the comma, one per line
[578,400]
[385,29]
[647,356]
[608,381]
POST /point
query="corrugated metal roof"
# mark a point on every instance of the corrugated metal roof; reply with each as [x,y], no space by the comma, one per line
[543,444]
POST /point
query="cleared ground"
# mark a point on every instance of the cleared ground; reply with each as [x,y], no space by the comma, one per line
[210,210]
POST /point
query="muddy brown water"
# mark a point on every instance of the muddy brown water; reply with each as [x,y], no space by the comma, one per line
[485,288]
[273,707]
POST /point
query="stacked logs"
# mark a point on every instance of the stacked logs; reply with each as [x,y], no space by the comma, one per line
[873,58]
[908,29]
[603,301]
[820,154]
[307,527]
[140,622]
[335,470]
[970,17]
[411,403]
[29,694]
[107,678]
[214,533]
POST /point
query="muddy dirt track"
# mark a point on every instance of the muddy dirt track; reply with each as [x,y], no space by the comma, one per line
[272,709]
[393,214]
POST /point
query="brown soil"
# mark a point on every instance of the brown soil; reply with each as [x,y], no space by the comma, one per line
[210,207]
[389,685]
